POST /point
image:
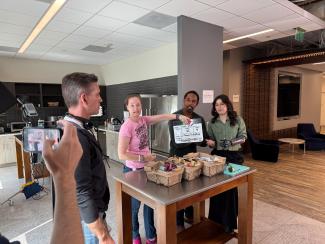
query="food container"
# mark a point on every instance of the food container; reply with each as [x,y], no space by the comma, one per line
[212,164]
[192,167]
[158,176]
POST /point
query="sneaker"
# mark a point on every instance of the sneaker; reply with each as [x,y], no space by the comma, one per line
[137,240]
[151,241]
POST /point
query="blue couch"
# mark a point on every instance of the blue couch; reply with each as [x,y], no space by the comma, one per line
[313,140]
[264,150]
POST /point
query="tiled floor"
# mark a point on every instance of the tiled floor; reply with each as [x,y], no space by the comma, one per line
[272,225]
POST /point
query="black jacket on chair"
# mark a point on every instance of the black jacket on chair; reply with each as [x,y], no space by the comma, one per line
[264,150]
[313,140]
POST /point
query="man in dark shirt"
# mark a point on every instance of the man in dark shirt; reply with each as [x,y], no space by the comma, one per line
[82,97]
[191,100]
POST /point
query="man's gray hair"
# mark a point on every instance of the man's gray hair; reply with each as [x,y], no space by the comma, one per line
[74,84]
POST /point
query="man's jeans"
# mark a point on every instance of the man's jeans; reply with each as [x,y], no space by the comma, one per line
[89,237]
[148,216]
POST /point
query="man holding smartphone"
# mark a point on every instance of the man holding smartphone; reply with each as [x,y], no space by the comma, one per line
[82,97]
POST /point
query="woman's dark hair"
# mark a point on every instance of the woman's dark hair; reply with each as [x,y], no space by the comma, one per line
[126,100]
[193,92]
[230,109]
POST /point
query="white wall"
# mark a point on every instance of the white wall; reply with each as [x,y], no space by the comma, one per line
[41,71]
[310,99]
[156,63]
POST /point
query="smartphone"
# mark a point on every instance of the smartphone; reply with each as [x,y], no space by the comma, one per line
[33,138]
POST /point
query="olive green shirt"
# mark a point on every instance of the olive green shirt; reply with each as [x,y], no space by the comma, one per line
[219,131]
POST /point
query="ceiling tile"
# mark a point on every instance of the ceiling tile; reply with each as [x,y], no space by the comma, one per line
[61,26]
[171,28]
[92,32]
[18,19]
[143,31]
[233,6]
[119,38]
[105,23]
[237,22]
[92,6]
[212,2]
[71,45]
[72,16]
[12,37]
[80,38]
[147,4]
[123,11]
[248,30]
[28,7]
[311,26]
[289,22]
[14,29]
[182,7]
[269,36]
[49,38]
[10,43]
[269,13]
[214,16]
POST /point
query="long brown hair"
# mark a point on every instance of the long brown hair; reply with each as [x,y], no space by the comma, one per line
[230,109]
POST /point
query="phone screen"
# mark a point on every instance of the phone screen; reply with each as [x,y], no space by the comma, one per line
[33,138]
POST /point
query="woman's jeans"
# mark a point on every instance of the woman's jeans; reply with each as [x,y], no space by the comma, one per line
[148,216]
[89,237]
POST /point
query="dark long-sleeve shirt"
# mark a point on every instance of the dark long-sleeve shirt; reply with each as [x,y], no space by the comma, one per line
[92,187]
[185,148]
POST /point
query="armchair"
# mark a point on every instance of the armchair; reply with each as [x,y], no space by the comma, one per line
[264,150]
[313,140]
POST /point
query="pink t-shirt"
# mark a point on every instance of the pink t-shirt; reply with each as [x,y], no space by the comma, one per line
[139,140]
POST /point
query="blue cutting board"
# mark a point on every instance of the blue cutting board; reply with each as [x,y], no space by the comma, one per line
[237,169]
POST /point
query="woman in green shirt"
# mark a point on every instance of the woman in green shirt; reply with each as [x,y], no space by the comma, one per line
[227,131]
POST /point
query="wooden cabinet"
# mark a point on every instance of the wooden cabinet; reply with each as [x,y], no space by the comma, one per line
[41,95]
[7,149]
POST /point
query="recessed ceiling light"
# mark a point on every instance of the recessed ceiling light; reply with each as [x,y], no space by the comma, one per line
[249,35]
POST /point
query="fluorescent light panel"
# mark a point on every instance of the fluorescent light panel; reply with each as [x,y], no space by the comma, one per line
[249,35]
[50,13]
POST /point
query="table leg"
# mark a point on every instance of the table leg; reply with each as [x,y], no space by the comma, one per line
[293,148]
[19,153]
[245,211]
[166,224]
[27,167]
[198,212]
[123,213]
[304,147]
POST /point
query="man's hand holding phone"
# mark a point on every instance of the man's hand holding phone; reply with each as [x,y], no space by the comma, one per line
[62,160]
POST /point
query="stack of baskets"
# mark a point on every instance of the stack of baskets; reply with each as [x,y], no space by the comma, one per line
[158,176]
[212,164]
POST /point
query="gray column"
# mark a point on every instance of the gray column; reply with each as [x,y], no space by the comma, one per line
[200,60]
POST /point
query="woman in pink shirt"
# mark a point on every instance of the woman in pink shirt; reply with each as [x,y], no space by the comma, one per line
[133,147]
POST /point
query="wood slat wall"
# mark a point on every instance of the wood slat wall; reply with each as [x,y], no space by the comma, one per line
[258,97]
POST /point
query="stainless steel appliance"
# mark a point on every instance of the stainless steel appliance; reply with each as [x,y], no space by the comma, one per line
[17,126]
[159,133]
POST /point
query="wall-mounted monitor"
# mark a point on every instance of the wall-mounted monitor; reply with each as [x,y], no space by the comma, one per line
[289,85]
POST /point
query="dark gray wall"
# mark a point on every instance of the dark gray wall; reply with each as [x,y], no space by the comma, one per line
[117,93]
[200,59]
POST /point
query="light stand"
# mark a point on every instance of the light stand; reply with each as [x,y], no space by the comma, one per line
[31,188]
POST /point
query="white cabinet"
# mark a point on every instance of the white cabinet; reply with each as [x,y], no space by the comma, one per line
[7,149]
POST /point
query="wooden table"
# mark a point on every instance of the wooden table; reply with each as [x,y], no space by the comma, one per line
[166,201]
[23,162]
[293,142]
[24,166]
